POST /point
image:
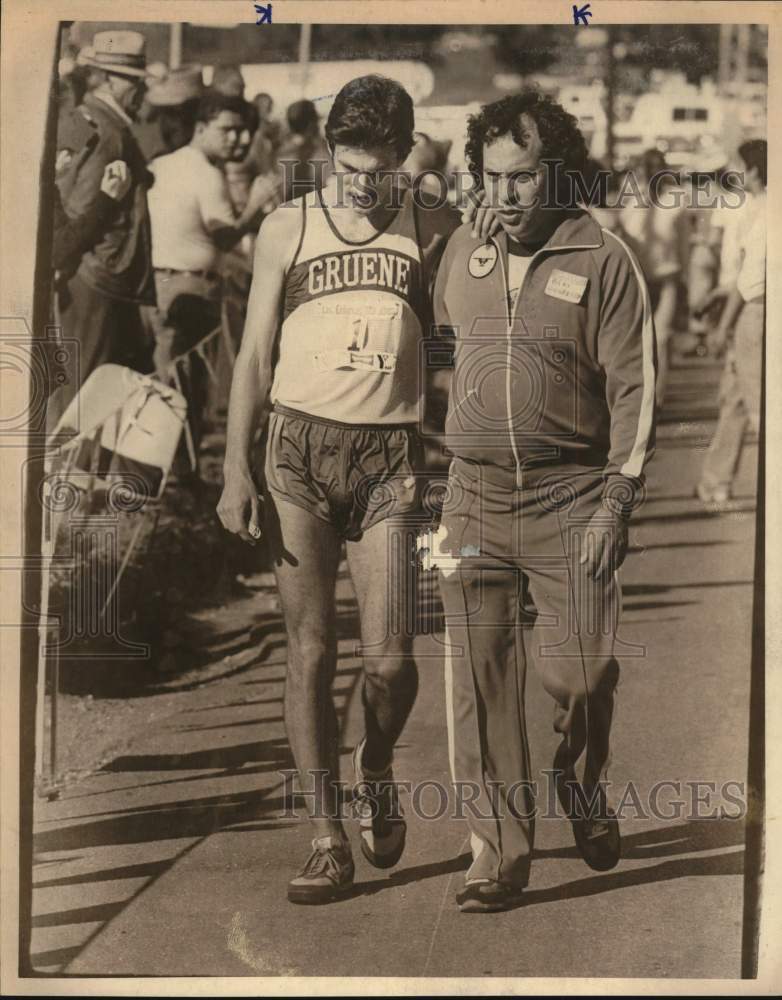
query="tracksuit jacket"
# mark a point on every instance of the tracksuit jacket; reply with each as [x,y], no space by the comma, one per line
[562,381]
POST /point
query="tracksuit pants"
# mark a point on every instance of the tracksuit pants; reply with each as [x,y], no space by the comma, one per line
[501,540]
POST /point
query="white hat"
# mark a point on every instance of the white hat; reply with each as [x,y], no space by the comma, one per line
[182,84]
[119,52]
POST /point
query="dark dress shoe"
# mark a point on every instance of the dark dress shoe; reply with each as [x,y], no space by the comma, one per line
[488,897]
[595,828]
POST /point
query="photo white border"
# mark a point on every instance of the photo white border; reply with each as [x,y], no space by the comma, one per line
[29,31]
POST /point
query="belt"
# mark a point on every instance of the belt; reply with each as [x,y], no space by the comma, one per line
[209,275]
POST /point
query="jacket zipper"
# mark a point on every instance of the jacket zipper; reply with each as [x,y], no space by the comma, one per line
[511,313]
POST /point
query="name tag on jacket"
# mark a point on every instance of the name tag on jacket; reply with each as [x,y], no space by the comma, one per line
[566,286]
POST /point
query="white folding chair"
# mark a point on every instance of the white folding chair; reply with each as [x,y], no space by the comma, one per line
[115,443]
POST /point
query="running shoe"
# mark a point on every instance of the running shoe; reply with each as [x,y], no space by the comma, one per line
[382,825]
[327,875]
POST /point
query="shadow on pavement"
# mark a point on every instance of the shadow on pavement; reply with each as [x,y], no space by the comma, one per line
[216,758]
[664,842]
[669,842]
[147,870]
[730,863]
[415,874]
[192,818]
[187,820]
[684,838]
[690,544]
[696,515]
[657,588]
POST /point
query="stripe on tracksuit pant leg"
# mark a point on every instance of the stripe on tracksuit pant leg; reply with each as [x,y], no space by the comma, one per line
[464,736]
[476,844]
[521,706]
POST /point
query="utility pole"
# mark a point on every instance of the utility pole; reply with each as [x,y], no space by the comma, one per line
[305,43]
[723,72]
[732,75]
[742,55]
[610,91]
[175,46]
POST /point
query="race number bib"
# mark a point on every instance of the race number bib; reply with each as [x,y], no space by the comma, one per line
[369,333]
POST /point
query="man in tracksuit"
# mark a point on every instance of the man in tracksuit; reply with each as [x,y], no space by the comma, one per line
[550,422]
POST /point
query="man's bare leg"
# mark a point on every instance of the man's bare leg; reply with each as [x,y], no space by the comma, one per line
[382,568]
[306,579]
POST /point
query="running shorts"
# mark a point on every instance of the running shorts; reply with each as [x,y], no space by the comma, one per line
[351,475]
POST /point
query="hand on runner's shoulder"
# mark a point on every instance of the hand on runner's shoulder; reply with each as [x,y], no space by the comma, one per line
[484,220]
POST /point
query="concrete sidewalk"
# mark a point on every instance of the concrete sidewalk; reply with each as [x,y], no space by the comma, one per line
[174,859]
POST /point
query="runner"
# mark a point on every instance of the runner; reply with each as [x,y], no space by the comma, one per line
[338,306]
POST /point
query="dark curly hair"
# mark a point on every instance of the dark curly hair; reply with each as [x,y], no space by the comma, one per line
[213,102]
[559,133]
[371,112]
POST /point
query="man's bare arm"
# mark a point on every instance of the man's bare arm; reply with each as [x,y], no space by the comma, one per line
[733,306]
[252,377]
[263,197]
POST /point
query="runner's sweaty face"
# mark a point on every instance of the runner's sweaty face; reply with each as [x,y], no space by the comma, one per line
[367,176]
[515,181]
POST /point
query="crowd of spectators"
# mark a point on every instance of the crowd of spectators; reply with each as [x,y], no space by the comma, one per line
[162,182]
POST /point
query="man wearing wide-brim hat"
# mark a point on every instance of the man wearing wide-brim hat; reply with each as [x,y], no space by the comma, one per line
[176,87]
[98,301]
[172,101]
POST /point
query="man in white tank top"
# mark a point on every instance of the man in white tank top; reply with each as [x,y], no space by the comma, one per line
[338,308]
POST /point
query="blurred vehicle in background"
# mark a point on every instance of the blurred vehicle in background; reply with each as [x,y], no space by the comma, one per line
[680,120]
[587,105]
[690,124]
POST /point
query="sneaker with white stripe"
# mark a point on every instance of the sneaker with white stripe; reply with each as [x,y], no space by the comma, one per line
[327,875]
[381,822]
